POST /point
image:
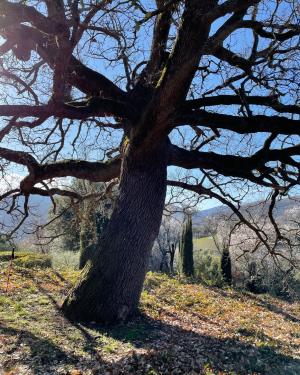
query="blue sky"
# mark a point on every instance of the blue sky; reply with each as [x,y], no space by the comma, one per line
[239,42]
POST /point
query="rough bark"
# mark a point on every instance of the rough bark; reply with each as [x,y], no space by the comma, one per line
[86,253]
[111,283]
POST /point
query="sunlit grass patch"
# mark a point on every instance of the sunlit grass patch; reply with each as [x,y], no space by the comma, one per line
[5,301]
[27,259]
[181,321]
[108,344]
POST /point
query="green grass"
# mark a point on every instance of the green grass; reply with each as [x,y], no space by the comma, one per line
[27,259]
[184,329]
[5,255]
[204,243]
[207,261]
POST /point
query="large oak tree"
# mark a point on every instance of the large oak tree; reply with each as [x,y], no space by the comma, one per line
[208,86]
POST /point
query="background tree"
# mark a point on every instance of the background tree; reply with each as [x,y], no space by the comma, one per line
[91,230]
[226,266]
[78,226]
[222,229]
[186,260]
[253,266]
[4,245]
[64,228]
[209,86]
[163,252]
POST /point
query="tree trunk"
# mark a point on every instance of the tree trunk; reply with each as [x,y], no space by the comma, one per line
[111,283]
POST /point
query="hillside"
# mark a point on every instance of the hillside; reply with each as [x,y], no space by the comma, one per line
[205,243]
[185,329]
[39,208]
[281,207]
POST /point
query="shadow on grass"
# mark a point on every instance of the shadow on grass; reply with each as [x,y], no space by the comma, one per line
[259,300]
[61,278]
[273,308]
[41,353]
[168,348]
[171,348]
[157,348]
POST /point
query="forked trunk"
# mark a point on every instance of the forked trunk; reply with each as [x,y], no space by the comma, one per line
[110,286]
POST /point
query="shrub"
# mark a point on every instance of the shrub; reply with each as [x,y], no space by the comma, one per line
[208,268]
[27,259]
[4,246]
[65,259]
[266,277]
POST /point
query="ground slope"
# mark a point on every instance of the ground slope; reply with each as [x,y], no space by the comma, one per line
[186,329]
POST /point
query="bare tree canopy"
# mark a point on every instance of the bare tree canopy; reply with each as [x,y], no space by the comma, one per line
[104,90]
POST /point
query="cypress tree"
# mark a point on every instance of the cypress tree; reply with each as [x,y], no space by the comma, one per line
[226,266]
[186,263]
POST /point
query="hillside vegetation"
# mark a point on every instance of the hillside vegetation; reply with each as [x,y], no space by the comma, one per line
[184,328]
[205,243]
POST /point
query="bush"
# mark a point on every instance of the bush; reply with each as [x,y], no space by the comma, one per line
[65,259]
[4,246]
[267,278]
[208,268]
[27,259]
[284,285]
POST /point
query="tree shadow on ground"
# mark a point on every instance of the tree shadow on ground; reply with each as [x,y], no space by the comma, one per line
[61,278]
[171,349]
[156,346]
[259,300]
[40,353]
[271,307]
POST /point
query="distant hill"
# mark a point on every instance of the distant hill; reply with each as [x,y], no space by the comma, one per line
[199,216]
[281,207]
[39,208]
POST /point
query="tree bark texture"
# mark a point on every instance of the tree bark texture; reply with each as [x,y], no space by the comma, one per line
[111,283]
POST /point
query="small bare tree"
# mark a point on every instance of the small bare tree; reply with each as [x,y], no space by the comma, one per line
[163,252]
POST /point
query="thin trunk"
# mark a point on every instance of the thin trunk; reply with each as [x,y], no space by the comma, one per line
[111,283]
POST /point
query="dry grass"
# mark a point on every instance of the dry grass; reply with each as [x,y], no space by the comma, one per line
[185,329]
